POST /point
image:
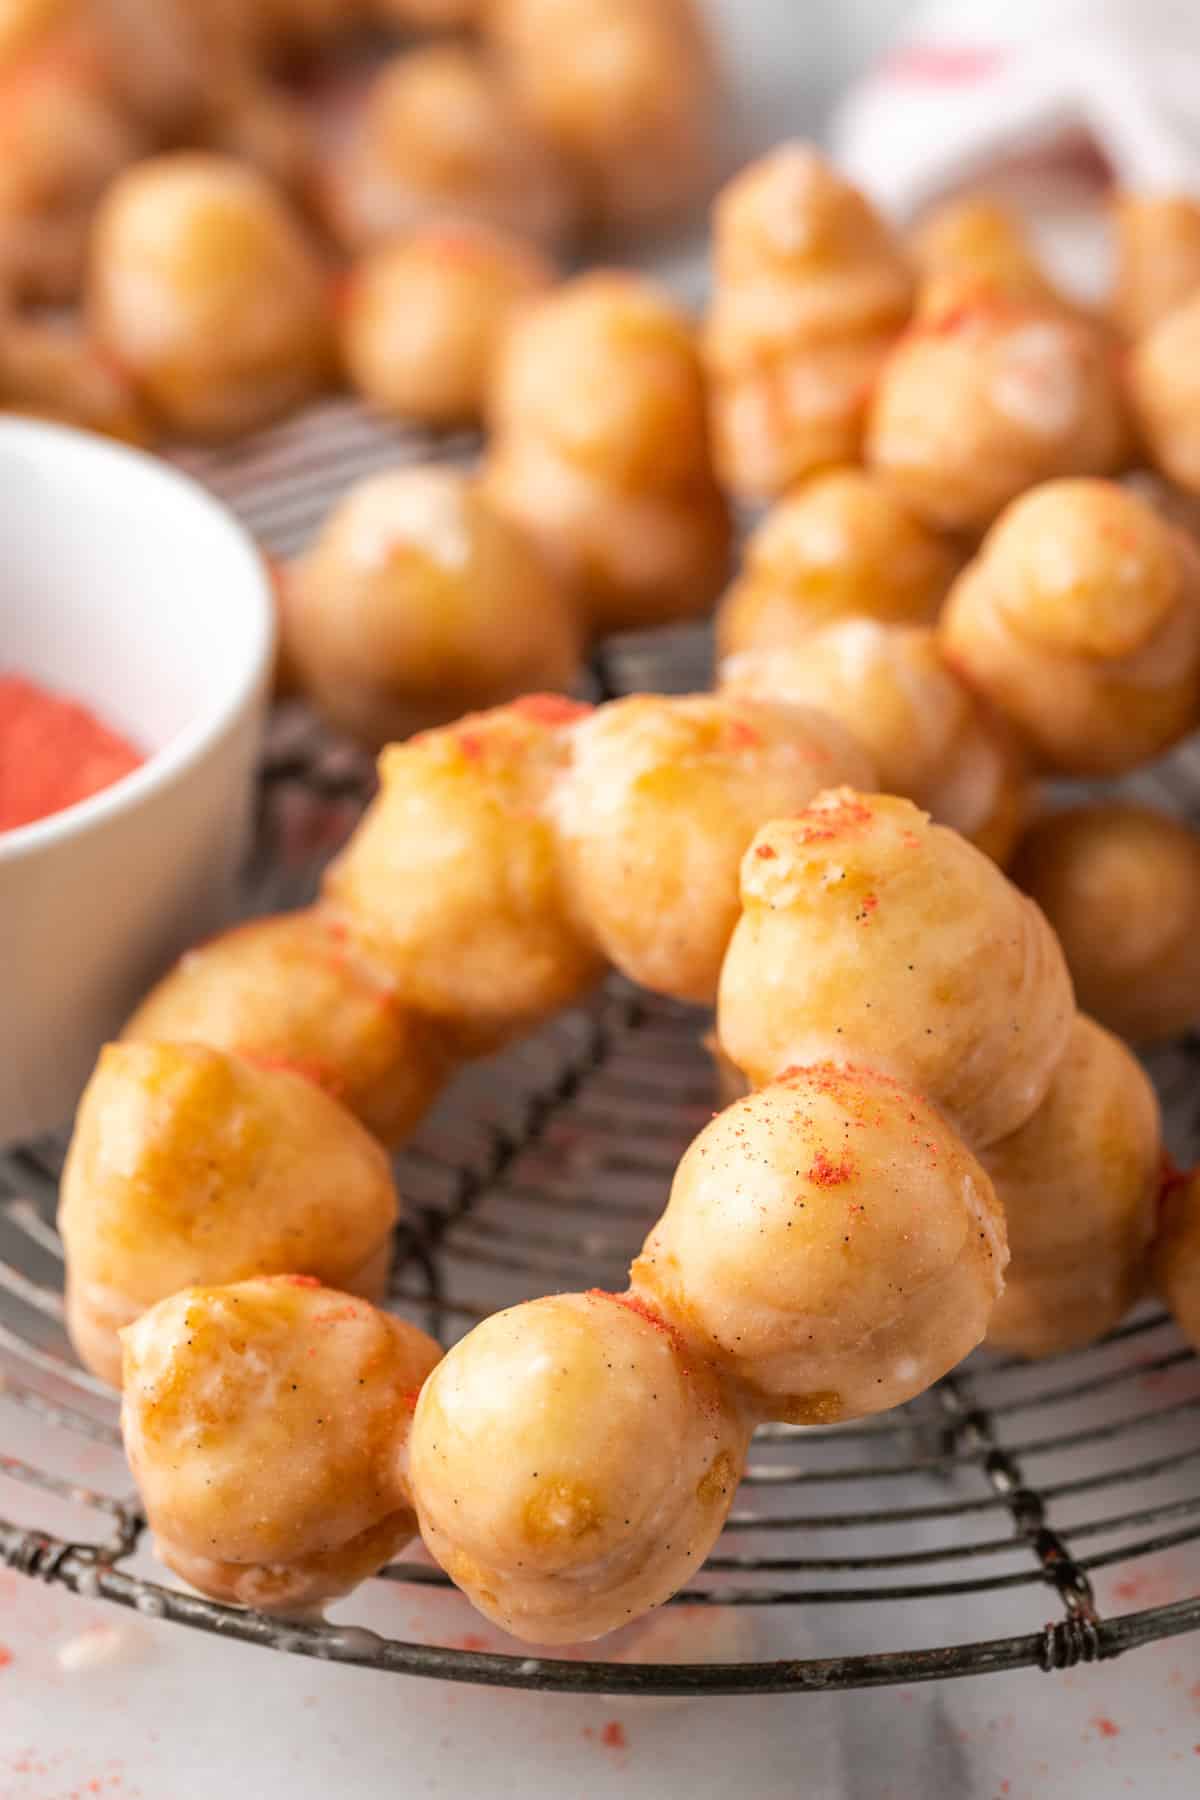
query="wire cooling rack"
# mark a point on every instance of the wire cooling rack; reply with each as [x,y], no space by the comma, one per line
[1017,1515]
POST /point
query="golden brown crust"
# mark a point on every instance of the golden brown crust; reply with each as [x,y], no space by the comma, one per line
[1163,387]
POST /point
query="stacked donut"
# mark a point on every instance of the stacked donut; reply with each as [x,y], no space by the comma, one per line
[832,1244]
[236,1129]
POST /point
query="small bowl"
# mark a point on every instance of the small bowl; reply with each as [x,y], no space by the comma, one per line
[124,585]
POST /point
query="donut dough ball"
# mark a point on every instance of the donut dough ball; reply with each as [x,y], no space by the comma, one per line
[439,136]
[455,878]
[298,991]
[1079,620]
[832,1242]
[838,546]
[979,240]
[1158,258]
[573,1462]
[662,799]
[1121,886]
[600,451]
[265,1423]
[624,91]
[870,935]
[930,738]
[424,316]
[203,286]
[986,397]
[1165,387]
[810,290]
[188,1165]
[420,601]
[1079,1185]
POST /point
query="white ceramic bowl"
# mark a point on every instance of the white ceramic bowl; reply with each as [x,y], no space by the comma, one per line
[124,585]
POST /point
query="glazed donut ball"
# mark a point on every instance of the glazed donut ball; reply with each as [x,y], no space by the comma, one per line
[455,879]
[53,371]
[424,317]
[979,239]
[297,991]
[1158,258]
[263,1422]
[625,92]
[188,1165]
[600,450]
[1079,1185]
[1166,393]
[929,737]
[832,1243]
[810,291]
[1176,1254]
[203,286]
[985,397]
[573,1462]
[839,546]
[870,935]
[62,140]
[656,812]
[1121,886]
[419,601]
[439,136]
[1080,621]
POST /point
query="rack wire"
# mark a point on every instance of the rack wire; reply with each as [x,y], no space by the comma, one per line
[976,1530]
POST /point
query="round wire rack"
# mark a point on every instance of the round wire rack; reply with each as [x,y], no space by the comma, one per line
[1017,1515]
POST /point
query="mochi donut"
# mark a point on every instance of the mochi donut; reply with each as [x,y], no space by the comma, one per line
[204,287]
[662,799]
[831,1242]
[599,450]
[1079,620]
[1079,1183]
[573,1462]
[840,545]
[810,291]
[454,879]
[870,935]
[930,737]
[420,600]
[188,1165]
[987,396]
[1120,884]
[264,1423]
[297,991]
